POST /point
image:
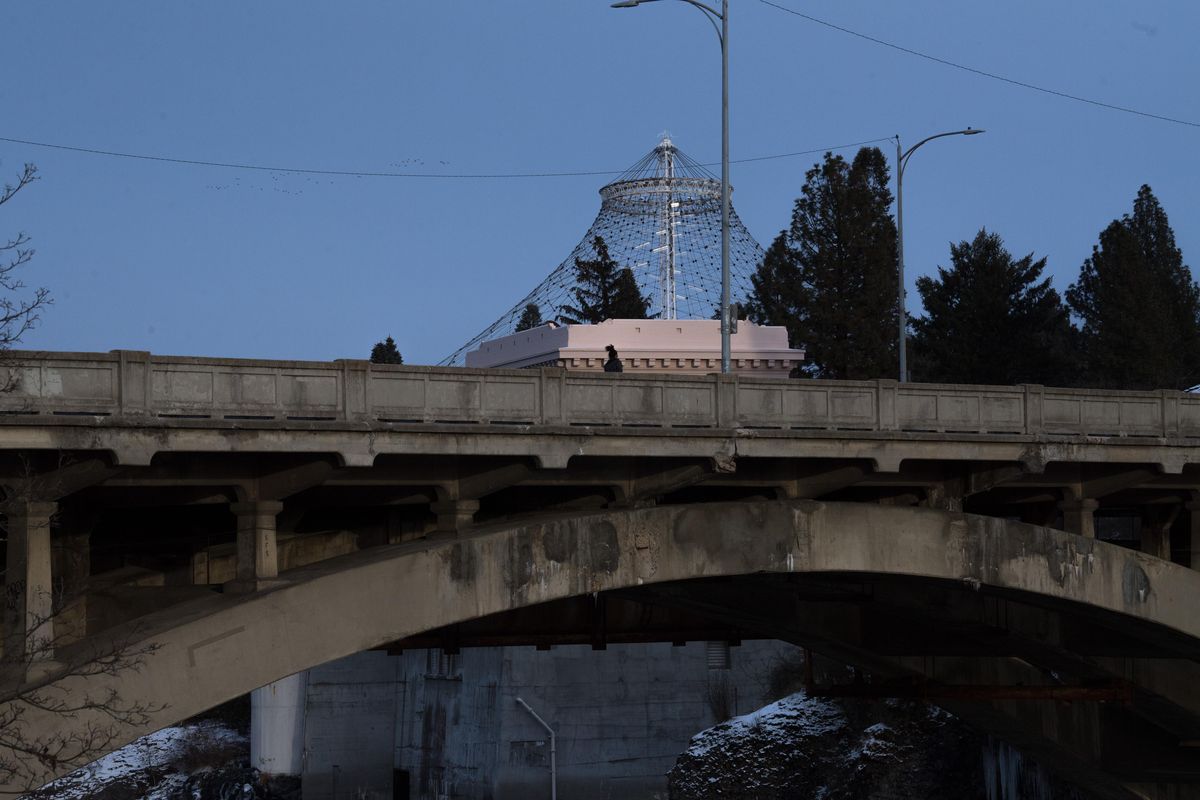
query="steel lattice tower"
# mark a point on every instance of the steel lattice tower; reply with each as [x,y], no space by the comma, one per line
[662,219]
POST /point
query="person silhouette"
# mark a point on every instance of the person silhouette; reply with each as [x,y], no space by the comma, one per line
[613,364]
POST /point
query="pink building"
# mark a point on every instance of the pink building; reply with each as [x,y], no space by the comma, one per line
[644,345]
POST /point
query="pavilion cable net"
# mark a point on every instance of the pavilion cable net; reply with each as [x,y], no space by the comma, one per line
[662,219]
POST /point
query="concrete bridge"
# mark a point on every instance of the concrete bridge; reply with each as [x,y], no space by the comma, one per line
[1019,555]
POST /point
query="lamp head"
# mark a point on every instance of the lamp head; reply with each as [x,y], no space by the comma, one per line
[973,131]
[627,4]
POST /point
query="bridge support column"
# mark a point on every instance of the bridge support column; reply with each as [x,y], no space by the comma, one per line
[454,516]
[71,565]
[277,726]
[1193,508]
[257,554]
[1079,516]
[28,587]
[1156,530]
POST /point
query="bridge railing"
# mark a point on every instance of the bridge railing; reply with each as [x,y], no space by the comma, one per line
[136,386]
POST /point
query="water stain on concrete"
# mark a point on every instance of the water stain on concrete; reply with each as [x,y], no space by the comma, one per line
[1135,584]
[559,542]
[462,563]
[745,534]
[518,567]
[604,549]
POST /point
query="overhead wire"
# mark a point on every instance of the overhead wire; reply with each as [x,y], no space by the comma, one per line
[376,174]
[984,73]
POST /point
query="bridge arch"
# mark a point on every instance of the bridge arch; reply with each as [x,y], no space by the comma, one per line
[221,647]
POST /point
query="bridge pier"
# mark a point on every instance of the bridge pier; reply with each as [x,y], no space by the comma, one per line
[257,551]
[1079,516]
[454,516]
[1156,530]
[71,566]
[277,726]
[1193,509]
[28,589]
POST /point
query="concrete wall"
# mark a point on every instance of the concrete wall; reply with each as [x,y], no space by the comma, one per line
[155,389]
[452,726]
[350,726]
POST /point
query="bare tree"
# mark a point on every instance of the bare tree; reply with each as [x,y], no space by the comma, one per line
[27,756]
[51,667]
[20,310]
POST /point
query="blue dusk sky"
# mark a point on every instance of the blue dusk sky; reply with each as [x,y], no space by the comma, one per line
[201,260]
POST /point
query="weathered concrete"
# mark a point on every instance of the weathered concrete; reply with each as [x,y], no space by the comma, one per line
[135,405]
[350,721]
[257,549]
[277,726]
[28,603]
[449,725]
[218,648]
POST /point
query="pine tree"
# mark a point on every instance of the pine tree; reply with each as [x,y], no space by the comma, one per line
[779,296]
[603,290]
[832,280]
[531,317]
[1139,305]
[385,352]
[988,319]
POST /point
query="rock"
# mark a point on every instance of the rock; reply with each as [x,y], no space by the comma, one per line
[803,747]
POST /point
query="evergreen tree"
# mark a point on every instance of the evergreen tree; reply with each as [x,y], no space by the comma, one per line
[385,352]
[989,319]
[531,317]
[832,278]
[1139,306]
[604,290]
[779,297]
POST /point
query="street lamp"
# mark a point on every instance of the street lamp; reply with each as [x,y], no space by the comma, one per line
[901,161]
[722,30]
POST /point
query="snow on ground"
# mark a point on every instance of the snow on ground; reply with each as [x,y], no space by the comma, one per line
[809,716]
[166,751]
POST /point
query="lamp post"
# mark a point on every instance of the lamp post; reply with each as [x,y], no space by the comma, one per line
[901,161]
[722,29]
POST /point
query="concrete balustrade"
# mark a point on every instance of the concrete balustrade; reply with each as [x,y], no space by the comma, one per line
[134,385]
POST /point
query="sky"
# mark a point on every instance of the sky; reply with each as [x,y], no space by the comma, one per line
[183,259]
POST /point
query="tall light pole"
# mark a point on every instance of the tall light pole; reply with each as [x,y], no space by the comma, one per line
[901,162]
[720,23]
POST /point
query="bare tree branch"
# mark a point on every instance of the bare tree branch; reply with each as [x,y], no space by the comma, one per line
[20,312]
[53,655]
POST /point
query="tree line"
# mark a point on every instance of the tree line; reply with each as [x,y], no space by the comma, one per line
[1130,320]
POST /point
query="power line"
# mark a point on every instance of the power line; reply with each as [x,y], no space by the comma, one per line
[356,174]
[984,73]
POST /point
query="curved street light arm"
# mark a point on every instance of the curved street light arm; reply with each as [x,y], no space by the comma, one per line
[711,13]
[903,160]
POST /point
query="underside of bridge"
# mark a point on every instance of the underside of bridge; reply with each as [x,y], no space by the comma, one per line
[1029,589]
[1085,694]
